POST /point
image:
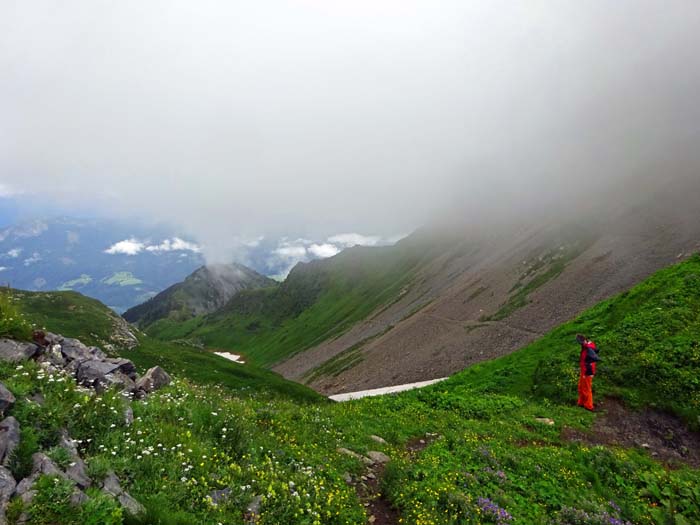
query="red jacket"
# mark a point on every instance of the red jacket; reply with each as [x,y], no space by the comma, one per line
[589,357]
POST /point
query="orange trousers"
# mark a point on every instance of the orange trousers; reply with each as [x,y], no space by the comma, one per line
[585,392]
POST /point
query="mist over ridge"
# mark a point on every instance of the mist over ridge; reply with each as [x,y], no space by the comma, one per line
[231,122]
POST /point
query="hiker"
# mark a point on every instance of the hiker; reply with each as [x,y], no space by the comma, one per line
[588,359]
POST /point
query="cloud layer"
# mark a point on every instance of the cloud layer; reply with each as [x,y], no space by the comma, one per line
[133,246]
[232,120]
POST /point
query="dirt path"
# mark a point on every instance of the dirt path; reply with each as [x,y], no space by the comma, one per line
[379,509]
[665,436]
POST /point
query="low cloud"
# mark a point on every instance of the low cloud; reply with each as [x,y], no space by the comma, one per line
[289,253]
[14,253]
[134,246]
[354,239]
[3,268]
[36,257]
[126,247]
[268,118]
[174,244]
[8,191]
[323,251]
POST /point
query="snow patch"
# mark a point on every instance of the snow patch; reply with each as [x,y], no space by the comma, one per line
[381,391]
[231,357]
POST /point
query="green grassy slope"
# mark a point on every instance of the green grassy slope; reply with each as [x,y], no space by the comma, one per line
[74,315]
[649,342]
[486,458]
[69,313]
[319,300]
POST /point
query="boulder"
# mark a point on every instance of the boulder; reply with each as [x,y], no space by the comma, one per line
[42,465]
[25,486]
[153,379]
[52,354]
[73,349]
[78,497]
[9,438]
[118,379]
[76,471]
[378,457]
[125,366]
[93,371]
[111,486]
[378,439]
[364,459]
[7,486]
[104,373]
[16,351]
[6,398]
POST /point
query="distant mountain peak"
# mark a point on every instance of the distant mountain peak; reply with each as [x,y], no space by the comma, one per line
[204,291]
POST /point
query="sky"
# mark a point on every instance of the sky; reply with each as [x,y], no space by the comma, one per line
[234,120]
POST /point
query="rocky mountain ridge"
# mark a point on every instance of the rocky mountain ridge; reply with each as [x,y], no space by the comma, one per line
[204,291]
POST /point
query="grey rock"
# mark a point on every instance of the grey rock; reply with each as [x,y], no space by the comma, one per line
[7,486]
[25,486]
[218,496]
[43,465]
[364,459]
[118,379]
[94,371]
[153,379]
[78,497]
[16,351]
[77,470]
[111,486]
[378,439]
[9,438]
[253,508]
[6,398]
[128,416]
[73,366]
[73,349]
[378,457]
[53,355]
[132,506]
[37,398]
[125,366]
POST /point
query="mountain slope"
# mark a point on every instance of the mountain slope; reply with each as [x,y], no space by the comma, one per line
[206,290]
[486,295]
[318,300]
[448,297]
[499,442]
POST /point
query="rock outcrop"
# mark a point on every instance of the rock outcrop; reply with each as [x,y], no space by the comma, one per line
[17,351]
[9,438]
[91,368]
